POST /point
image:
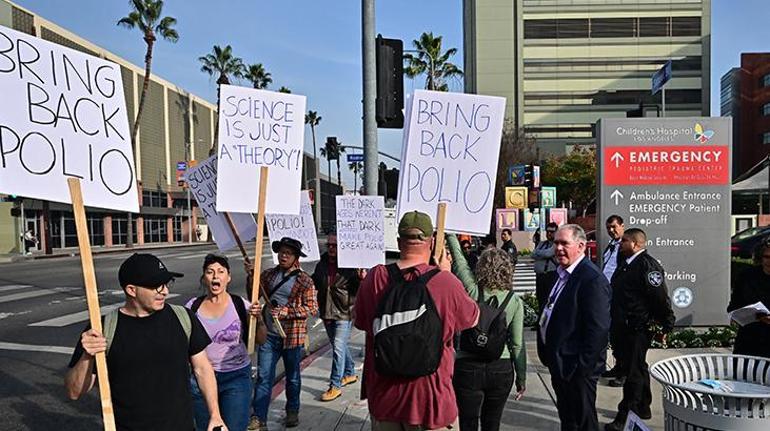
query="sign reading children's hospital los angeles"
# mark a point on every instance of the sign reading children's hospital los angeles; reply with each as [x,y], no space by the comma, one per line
[63,115]
[260,128]
[452,143]
[671,178]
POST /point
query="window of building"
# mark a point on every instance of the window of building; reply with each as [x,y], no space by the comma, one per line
[154,198]
[766,138]
[765,110]
[155,229]
[765,82]
[572,28]
[540,29]
[685,26]
[613,27]
[119,230]
[655,27]
[178,222]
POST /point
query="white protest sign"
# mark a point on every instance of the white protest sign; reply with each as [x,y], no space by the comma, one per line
[360,231]
[63,115]
[450,155]
[300,227]
[202,181]
[260,128]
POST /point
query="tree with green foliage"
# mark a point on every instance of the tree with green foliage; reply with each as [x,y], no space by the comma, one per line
[258,76]
[312,119]
[432,61]
[573,175]
[284,90]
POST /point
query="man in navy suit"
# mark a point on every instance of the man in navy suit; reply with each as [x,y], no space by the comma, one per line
[572,337]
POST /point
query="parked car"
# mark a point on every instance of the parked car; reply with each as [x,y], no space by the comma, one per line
[742,243]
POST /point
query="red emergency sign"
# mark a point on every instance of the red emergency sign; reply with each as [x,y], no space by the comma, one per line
[667,165]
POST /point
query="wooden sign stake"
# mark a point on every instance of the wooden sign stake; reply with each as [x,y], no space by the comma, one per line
[258,254]
[92,298]
[440,223]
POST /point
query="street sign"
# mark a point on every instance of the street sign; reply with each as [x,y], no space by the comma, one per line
[181,167]
[661,77]
[352,158]
[671,178]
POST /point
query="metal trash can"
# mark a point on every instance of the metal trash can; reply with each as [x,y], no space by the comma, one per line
[738,398]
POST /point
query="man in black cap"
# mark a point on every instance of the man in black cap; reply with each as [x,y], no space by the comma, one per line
[293,299]
[150,348]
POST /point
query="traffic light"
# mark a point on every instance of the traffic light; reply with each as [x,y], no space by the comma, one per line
[390,83]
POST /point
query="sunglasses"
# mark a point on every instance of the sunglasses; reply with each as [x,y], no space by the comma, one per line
[167,285]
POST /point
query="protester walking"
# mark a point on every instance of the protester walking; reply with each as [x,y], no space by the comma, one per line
[408,383]
[485,372]
[336,288]
[545,266]
[639,302]
[572,335]
[471,257]
[752,286]
[150,347]
[225,316]
[292,301]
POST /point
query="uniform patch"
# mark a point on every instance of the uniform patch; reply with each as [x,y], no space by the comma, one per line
[655,278]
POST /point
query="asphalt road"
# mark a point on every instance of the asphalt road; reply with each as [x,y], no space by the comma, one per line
[43,311]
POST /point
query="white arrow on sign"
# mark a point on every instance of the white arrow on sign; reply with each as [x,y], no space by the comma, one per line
[617,157]
[616,195]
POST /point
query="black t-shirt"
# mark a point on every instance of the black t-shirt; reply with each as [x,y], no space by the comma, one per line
[149,370]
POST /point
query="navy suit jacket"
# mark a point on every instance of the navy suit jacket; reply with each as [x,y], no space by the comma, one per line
[577,334]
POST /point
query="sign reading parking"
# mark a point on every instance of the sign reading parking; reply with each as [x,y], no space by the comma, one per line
[671,178]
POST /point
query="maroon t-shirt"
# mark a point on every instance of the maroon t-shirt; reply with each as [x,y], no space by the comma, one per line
[430,400]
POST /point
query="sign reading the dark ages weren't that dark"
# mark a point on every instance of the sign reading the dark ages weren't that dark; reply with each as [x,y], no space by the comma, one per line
[671,178]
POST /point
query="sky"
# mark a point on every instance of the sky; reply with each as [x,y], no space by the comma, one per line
[313,47]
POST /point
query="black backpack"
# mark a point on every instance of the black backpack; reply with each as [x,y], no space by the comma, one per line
[240,308]
[408,332]
[489,337]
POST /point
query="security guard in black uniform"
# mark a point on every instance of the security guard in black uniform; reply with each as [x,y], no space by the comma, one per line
[639,299]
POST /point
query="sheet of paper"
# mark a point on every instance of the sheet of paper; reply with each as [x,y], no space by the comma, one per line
[748,314]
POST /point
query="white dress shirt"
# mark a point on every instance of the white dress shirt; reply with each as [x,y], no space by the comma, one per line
[564,274]
[610,259]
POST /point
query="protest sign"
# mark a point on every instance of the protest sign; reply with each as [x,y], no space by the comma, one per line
[260,128]
[300,227]
[450,156]
[202,181]
[360,231]
[63,116]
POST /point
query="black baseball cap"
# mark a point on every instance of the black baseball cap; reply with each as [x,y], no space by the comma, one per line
[145,270]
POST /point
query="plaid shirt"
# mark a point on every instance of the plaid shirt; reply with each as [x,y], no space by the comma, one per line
[301,305]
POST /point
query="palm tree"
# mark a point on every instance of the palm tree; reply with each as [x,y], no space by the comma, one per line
[331,151]
[356,167]
[431,61]
[258,76]
[312,119]
[220,61]
[146,16]
[284,90]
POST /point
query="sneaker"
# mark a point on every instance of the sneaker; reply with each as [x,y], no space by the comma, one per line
[332,394]
[257,425]
[349,380]
[292,419]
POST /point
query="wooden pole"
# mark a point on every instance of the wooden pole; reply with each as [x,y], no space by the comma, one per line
[92,298]
[440,223]
[258,255]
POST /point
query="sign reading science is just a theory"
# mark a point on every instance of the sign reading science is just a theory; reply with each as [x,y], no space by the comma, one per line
[671,178]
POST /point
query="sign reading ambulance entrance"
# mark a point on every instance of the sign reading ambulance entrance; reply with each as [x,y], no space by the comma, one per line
[671,178]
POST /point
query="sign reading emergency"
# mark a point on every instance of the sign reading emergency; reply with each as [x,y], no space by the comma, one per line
[671,178]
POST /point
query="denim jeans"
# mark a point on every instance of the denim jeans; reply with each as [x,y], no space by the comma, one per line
[269,353]
[342,362]
[234,389]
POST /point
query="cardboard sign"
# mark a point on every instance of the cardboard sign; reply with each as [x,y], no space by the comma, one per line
[63,115]
[202,181]
[516,197]
[451,152]
[360,231]
[300,227]
[260,128]
[507,218]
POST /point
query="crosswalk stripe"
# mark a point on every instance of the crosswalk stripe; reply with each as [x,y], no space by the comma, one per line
[13,287]
[34,293]
[81,316]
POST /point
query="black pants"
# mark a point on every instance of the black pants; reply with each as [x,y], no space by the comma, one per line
[576,402]
[617,336]
[482,388]
[637,396]
[543,285]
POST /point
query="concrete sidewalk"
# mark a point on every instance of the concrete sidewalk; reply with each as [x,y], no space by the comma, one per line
[536,411]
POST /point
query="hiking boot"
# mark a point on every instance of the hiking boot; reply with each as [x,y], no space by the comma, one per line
[349,380]
[292,419]
[257,425]
[332,394]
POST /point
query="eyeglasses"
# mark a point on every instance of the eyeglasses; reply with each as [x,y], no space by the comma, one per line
[332,244]
[550,231]
[167,285]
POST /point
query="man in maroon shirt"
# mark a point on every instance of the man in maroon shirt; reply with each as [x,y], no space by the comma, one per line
[428,402]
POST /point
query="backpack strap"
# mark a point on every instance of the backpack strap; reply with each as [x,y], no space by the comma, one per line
[108,328]
[428,275]
[184,319]
[240,308]
[197,303]
[282,282]
[507,300]
[394,272]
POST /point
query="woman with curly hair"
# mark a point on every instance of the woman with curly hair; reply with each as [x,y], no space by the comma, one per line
[482,386]
[752,286]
